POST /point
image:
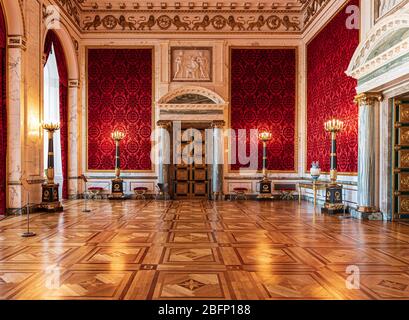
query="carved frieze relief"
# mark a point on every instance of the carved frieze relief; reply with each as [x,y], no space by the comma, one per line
[71,9]
[215,22]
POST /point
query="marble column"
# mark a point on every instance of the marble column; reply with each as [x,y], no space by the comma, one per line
[15,131]
[164,152]
[218,159]
[74,159]
[367,208]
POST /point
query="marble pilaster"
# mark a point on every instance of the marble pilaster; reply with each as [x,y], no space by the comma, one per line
[164,152]
[15,114]
[73,140]
[217,165]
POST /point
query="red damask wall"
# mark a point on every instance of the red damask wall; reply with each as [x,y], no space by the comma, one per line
[331,93]
[119,98]
[263,96]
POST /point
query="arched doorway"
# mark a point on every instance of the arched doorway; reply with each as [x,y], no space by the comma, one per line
[3,116]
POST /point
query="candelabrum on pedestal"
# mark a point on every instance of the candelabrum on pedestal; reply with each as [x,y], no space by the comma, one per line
[265,184]
[50,195]
[117,191]
[333,198]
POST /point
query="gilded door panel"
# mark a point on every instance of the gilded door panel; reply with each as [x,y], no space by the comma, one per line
[403,158]
[182,174]
[404,136]
[403,202]
[403,180]
[200,188]
[190,177]
[200,174]
[400,160]
[404,113]
[182,188]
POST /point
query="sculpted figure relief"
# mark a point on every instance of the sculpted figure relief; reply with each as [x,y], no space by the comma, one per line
[191,64]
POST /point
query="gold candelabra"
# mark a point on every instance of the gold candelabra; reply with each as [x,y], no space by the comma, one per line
[117,136]
[50,127]
[333,126]
[265,136]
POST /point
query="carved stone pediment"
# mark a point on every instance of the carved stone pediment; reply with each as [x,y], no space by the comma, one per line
[191,102]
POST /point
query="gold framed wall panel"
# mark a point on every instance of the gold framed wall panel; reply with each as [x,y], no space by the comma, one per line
[306,170]
[297,79]
[152,47]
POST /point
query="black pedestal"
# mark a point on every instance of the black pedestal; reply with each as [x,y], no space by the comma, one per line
[333,200]
[50,198]
[265,190]
[117,191]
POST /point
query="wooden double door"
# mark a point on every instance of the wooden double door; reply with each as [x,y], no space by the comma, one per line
[400,160]
[190,171]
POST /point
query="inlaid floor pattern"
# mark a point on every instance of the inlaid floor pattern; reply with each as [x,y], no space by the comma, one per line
[202,250]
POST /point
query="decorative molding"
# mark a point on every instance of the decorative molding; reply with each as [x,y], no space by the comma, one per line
[73,83]
[360,65]
[71,9]
[16,41]
[164,101]
[218,124]
[312,9]
[193,22]
[21,5]
[126,16]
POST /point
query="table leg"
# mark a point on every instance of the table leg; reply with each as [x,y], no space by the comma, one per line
[315,195]
[299,194]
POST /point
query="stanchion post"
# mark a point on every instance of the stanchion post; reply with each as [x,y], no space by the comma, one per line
[86,195]
[28,233]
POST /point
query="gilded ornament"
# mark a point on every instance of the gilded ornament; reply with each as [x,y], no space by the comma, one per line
[404,136]
[404,205]
[404,182]
[404,159]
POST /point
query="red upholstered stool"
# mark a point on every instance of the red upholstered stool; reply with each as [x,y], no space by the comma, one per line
[140,192]
[95,192]
[240,192]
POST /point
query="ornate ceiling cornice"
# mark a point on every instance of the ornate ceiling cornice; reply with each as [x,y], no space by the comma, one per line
[216,17]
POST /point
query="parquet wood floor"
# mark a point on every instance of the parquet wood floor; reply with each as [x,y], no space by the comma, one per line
[201,250]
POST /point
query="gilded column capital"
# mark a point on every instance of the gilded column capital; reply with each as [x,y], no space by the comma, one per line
[165,124]
[218,124]
[368,98]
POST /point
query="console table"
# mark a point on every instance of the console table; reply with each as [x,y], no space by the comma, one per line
[314,186]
